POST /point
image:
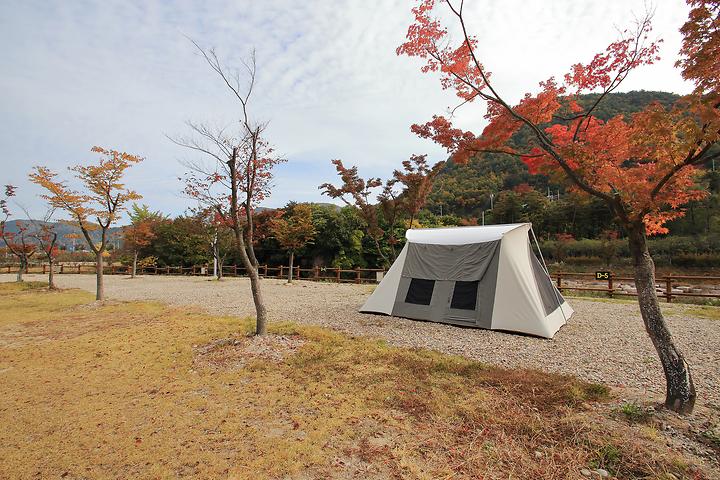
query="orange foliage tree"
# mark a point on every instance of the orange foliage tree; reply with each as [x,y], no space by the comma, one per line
[103,198]
[293,231]
[644,166]
[137,236]
[141,231]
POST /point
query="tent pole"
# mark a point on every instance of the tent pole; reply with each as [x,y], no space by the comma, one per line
[547,272]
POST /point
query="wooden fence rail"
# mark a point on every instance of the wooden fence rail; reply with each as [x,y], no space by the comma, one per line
[667,286]
[338,275]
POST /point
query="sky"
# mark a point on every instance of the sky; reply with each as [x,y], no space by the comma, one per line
[123,75]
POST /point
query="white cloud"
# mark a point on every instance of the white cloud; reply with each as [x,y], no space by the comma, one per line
[121,74]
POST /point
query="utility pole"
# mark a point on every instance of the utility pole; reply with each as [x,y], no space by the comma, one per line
[483,217]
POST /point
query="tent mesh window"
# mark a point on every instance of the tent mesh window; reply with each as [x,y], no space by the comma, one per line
[420,291]
[464,295]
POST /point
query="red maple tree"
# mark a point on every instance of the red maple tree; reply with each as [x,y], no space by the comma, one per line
[357,192]
[18,243]
[644,167]
[417,177]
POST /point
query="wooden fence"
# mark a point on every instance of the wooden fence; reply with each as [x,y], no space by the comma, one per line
[338,275]
[667,286]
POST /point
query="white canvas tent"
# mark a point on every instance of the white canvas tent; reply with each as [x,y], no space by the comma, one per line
[483,277]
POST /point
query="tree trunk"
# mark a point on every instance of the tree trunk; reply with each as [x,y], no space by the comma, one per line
[100,289]
[292,257]
[21,270]
[260,311]
[680,395]
[382,255]
[51,278]
[252,271]
[251,250]
[134,266]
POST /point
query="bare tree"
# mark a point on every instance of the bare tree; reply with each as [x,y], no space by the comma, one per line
[46,237]
[241,172]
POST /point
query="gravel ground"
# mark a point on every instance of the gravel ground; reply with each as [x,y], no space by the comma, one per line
[603,341]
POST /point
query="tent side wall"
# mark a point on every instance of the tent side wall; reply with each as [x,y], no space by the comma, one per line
[518,303]
[556,308]
[383,297]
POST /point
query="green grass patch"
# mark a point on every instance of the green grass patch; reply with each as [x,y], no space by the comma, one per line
[634,412]
[698,311]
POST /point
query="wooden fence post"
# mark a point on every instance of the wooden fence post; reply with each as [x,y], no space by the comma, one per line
[62,268]
[559,282]
[668,288]
[297,273]
[316,273]
[78,268]
[337,273]
[610,285]
[280,275]
[357,274]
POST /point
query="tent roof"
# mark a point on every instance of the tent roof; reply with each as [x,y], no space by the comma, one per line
[460,235]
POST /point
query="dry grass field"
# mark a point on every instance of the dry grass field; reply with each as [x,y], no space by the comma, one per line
[145,390]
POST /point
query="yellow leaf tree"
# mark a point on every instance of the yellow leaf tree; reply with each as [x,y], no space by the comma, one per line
[100,202]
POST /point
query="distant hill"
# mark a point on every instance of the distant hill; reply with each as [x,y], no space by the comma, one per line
[464,190]
[63,230]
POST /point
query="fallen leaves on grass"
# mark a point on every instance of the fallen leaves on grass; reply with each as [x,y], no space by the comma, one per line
[127,399]
[236,352]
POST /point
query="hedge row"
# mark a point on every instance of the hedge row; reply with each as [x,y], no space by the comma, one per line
[701,251]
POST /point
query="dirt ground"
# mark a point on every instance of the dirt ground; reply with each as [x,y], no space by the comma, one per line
[603,342]
[127,389]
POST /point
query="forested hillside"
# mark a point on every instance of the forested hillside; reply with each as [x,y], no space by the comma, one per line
[465,191]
